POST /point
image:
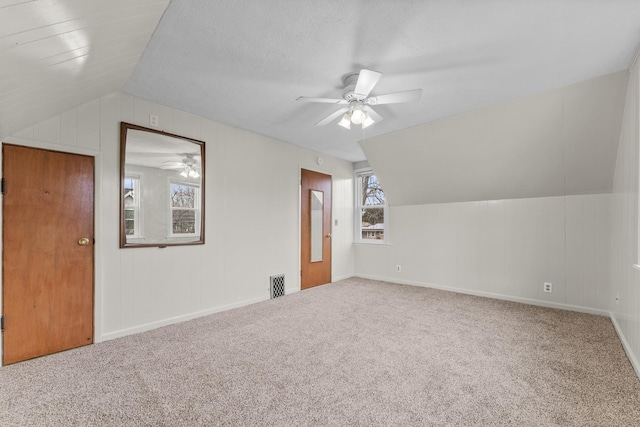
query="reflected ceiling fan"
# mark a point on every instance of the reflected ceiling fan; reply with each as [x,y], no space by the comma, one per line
[189,166]
[357,102]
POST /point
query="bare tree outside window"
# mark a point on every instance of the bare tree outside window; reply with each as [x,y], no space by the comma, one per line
[372,193]
[183,208]
[373,205]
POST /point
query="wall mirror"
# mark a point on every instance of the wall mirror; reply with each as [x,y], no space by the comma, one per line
[161,188]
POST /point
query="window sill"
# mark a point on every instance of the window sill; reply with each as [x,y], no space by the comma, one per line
[372,243]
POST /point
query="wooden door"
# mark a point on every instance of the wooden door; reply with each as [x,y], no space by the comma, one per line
[47,276]
[315,251]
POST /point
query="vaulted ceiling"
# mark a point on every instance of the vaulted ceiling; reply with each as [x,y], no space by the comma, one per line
[245,63]
[57,54]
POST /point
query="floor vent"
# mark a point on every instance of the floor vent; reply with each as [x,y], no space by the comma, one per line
[277,286]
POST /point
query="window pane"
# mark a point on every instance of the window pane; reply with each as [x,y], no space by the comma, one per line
[373,223]
[372,193]
[129,222]
[183,196]
[131,204]
[184,221]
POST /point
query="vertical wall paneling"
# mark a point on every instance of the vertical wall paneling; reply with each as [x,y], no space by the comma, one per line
[623,296]
[501,248]
[48,131]
[69,127]
[252,208]
[575,250]
[88,133]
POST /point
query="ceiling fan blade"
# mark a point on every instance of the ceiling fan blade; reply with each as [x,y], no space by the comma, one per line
[331,117]
[322,100]
[367,80]
[372,113]
[395,98]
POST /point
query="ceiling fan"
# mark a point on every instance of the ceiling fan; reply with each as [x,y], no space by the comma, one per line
[357,101]
[189,166]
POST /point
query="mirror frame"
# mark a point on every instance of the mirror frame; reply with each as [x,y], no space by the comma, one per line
[124,127]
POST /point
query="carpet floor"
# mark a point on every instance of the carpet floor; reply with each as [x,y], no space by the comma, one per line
[355,352]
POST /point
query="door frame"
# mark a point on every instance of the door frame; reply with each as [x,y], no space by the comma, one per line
[97,224]
[326,172]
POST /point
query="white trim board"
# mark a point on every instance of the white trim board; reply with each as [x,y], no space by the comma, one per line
[635,363]
[530,301]
[178,319]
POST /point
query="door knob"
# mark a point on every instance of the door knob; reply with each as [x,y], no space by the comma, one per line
[83,241]
[328,235]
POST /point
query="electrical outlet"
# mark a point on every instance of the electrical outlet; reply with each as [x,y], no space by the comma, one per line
[398,268]
[335,222]
[547,287]
[154,120]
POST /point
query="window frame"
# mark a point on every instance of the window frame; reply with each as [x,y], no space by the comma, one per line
[359,174]
[196,208]
[137,215]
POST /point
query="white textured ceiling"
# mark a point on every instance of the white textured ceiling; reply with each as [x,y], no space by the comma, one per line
[58,54]
[245,62]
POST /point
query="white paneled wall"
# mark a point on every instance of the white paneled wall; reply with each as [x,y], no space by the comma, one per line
[624,280]
[252,217]
[505,249]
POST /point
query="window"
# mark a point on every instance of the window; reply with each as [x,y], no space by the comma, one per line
[132,224]
[371,210]
[185,211]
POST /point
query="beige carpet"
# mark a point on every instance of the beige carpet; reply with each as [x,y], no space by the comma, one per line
[356,352]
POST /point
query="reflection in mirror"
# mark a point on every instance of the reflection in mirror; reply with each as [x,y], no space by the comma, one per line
[161,188]
[317,203]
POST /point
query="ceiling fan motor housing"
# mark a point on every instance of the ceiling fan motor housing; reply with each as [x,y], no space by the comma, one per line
[350,84]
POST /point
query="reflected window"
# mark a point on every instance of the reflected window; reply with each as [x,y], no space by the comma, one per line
[185,212]
[131,194]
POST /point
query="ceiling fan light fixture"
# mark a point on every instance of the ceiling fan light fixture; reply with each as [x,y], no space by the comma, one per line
[189,172]
[345,122]
[368,121]
[358,115]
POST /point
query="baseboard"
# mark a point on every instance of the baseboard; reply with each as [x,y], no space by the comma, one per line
[165,322]
[338,278]
[503,297]
[625,344]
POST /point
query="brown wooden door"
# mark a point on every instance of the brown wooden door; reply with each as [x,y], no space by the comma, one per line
[315,251]
[47,274]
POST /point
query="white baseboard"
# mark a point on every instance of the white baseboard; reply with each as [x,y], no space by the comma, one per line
[338,278]
[627,347]
[170,321]
[503,297]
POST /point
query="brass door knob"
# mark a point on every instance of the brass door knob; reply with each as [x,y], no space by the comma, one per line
[83,241]
[328,235]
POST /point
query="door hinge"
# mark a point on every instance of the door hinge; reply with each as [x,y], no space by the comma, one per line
[2,323]
[301,272]
[2,186]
